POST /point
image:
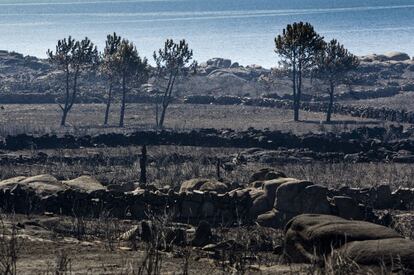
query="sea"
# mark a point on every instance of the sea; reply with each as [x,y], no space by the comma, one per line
[241,30]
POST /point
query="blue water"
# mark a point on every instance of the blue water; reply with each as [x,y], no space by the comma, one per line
[242,30]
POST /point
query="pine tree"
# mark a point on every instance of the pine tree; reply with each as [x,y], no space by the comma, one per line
[171,61]
[298,46]
[334,64]
[72,57]
[109,69]
[132,69]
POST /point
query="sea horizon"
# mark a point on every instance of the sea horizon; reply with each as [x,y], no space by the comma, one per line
[241,30]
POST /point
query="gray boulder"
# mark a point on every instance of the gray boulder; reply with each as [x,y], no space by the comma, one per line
[85,184]
[379,252]
[266,174]
[311,237]
[42,185]
[205,185]
[299,197]
[291,197]
[219,62]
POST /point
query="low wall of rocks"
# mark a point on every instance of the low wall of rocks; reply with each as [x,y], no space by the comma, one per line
[270,202]
[184,207]
[367,144]
[357,140]
[382,113]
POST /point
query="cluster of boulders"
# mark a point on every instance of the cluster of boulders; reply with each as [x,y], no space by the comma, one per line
[277,198]
[390,56]
[226,69]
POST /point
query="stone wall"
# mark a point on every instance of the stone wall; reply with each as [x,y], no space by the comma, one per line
[387,114]
[361,144]
[272,201]
[44,193]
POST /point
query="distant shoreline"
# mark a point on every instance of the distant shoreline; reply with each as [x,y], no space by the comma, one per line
[380,57]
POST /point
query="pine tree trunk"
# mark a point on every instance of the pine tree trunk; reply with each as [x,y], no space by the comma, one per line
[65,109]
[108,104]
[157,122]
[294,80]
[296,111]
[164,109]
[331,98]
[298,92]
[64,116]
[121,119]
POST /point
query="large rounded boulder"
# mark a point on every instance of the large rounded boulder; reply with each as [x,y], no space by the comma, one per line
[41,184]
[299,197]
[204,185]
[380,252]
[289,197]
[266,174]
[84,184]
[312,238]
[265,199]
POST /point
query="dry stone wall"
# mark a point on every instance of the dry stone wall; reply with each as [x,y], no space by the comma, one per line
[271,200]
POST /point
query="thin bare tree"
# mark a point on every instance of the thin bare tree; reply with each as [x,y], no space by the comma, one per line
[72,57]
[333,66]
[132,69]
[172,60]
[108,68]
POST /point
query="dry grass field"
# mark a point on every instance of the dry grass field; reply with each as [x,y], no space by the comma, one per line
[88,119]
[171,165]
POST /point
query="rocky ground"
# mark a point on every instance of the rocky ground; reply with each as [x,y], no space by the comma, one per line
[82,227]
